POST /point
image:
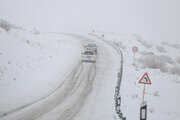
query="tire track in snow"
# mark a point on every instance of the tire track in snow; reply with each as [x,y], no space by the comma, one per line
[90,110]
[80,79]
[25,106]
[70,112]
[58,97]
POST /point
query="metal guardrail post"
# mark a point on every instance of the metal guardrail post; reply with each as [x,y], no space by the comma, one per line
[124,118]
[120,115]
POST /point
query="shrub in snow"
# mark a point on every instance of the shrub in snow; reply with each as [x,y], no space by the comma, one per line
[161,49]
[144,43]
[35,31]
[156,62]
[2,71]
[165,59]
[175,46]
[175,70]
[165,43]
[171,45]
[7,26]
[151,110]
[135,96]
[163,63]
[120,44]
[150,62]
[146,53]
[156,93]
[28,42]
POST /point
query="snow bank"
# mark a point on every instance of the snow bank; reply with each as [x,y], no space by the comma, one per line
[33,65]
[162,65]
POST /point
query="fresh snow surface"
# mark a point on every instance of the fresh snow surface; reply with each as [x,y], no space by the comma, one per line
[161,61]
[33,65]
[41,77]
[91,97]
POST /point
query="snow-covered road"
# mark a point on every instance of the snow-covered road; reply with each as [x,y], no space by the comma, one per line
[87,93]
[100,102]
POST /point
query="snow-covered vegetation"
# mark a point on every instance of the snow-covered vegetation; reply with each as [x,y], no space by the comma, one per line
[7,26]
[161,61]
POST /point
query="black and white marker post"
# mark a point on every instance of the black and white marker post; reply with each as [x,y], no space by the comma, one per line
[143,107]
[143,111]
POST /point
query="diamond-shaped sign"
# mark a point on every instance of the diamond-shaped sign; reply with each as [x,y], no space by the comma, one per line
[145,79]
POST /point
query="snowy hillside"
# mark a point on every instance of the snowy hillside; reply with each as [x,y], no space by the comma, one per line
[74,59]
[42,76]
[31,64]
[161,60]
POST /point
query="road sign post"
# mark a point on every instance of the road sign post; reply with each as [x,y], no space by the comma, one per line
[143,109]
[144,80]
[134,50]
[124,118]
[144,92]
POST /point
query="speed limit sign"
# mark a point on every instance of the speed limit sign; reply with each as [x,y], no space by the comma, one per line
[134,49]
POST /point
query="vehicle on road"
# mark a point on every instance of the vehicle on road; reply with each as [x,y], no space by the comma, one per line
[88,56]
[92,47]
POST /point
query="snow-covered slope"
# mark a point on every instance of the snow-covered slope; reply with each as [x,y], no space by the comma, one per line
[161,60]
[32,65]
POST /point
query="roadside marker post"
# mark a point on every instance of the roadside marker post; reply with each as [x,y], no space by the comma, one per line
[143,111]
[134,49]
[124,118]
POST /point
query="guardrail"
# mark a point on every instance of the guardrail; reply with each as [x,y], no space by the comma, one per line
[117,97]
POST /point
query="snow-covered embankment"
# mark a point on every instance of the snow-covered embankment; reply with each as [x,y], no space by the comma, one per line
[32,65]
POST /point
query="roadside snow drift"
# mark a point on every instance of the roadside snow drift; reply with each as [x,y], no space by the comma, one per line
[161,61]
[32,65]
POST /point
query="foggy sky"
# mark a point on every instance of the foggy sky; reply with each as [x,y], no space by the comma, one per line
[154,20]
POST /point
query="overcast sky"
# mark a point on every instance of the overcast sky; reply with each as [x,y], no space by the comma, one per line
[152,19]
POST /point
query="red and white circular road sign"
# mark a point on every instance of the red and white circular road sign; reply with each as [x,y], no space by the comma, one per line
[134,49]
